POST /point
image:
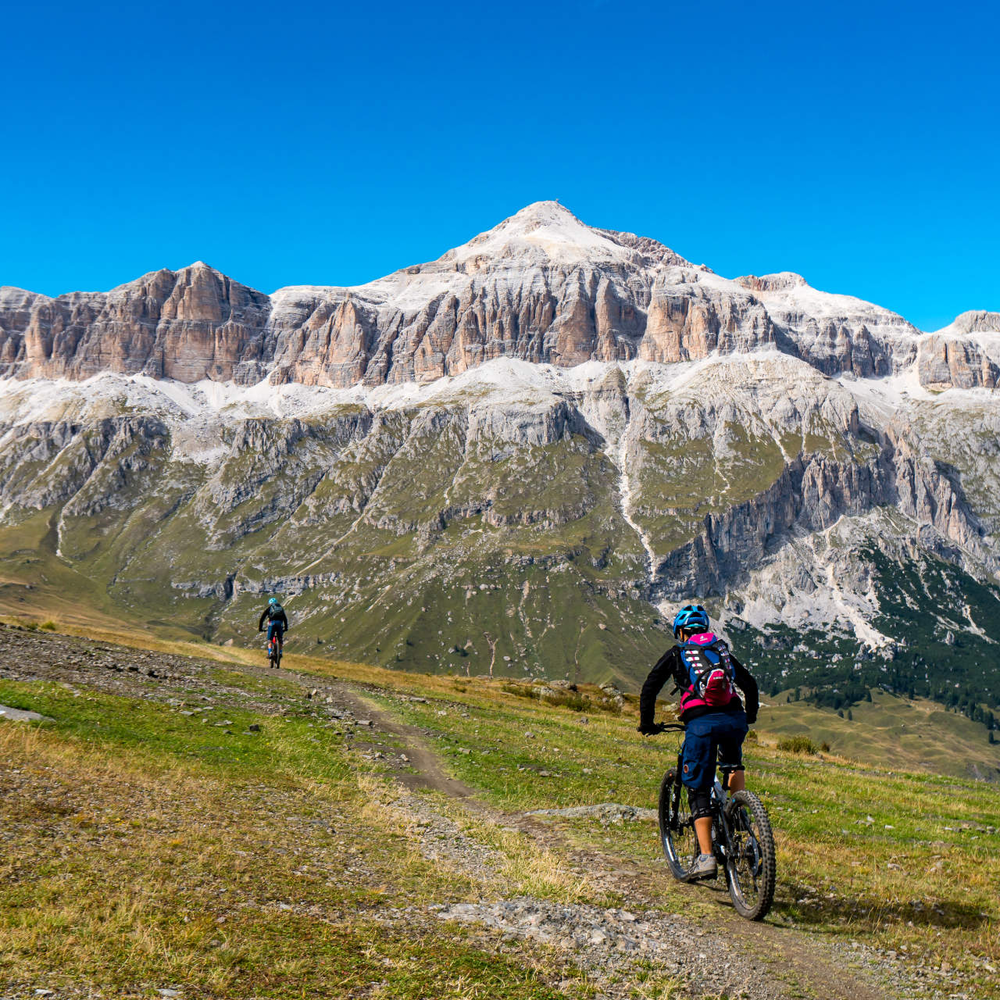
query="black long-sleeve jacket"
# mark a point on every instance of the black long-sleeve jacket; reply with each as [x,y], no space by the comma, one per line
[279,617]
[670,666]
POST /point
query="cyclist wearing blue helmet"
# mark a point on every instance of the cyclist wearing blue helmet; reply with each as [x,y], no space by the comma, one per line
[707,674]
[277,622]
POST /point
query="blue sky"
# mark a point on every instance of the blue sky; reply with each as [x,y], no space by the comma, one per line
[856,143]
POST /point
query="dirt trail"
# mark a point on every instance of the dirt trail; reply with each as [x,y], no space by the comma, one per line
[424,766]
[761,961]
[815,966]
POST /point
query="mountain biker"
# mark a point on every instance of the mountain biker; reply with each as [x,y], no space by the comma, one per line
[715,723]
[277,622]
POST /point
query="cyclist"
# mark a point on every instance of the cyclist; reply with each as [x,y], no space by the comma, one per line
[715,719]
[277,622]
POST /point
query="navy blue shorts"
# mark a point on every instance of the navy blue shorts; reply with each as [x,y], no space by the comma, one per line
[275,629]
[719,733]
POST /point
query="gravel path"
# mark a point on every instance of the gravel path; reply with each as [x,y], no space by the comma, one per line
[610,942]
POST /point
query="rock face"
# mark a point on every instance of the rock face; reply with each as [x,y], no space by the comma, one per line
[540,287]
[834,333]
[548,507]
[185,325]
[964,355]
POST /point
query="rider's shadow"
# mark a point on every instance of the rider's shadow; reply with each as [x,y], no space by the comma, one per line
[806,907]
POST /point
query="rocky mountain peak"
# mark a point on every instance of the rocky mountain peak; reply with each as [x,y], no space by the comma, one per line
[541,213]
[974,321]
[547,232]
[541,286]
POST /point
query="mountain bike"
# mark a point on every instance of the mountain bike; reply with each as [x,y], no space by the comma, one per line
[274,652]
[741,839]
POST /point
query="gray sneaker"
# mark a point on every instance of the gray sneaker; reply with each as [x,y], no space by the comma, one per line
[703,866]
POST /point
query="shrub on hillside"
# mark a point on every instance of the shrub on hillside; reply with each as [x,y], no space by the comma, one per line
[569,698]
[521,690]
[798,744]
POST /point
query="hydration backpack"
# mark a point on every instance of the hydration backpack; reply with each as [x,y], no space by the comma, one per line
[710,672]
[274,611]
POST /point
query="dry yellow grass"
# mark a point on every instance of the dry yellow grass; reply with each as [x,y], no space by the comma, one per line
[134,871]
[838,874]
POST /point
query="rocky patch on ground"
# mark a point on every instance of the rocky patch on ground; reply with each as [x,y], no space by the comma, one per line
[611,941]
[607,813]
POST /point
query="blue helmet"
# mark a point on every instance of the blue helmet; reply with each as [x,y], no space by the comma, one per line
[691,617]
[272,600]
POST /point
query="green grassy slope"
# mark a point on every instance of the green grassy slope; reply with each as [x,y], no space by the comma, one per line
[867,850]
[148,851]
[917,735]
[299,851]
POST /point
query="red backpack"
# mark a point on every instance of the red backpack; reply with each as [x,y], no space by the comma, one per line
[710,672]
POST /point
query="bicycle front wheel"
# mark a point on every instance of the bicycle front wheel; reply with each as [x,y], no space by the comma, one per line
[677,836]
[750,862]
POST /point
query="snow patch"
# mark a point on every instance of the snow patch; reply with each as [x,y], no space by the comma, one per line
[546,226]
[887,395]
[506,379]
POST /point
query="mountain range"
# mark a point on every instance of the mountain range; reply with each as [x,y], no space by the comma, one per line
[524,453]
[541,286]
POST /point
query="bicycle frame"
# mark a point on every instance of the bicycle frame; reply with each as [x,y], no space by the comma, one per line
[719,803]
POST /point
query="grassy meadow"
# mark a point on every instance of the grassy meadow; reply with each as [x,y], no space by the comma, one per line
[144,849]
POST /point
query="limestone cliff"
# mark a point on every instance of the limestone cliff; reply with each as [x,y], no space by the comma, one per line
[964,355]
[541,287]
[186,325]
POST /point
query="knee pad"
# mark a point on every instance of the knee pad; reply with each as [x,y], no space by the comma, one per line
[700,800]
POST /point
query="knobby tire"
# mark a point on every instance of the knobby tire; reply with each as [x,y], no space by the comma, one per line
[677,836]
[750,868]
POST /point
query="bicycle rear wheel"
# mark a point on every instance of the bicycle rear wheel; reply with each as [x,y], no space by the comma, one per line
[750,862]
[677,836]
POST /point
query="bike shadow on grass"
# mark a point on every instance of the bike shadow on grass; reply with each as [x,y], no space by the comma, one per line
[806,906]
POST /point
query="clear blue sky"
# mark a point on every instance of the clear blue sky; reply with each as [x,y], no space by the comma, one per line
[288,143]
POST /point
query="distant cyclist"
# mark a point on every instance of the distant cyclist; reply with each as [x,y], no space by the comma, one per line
[706,673]
[277,622]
